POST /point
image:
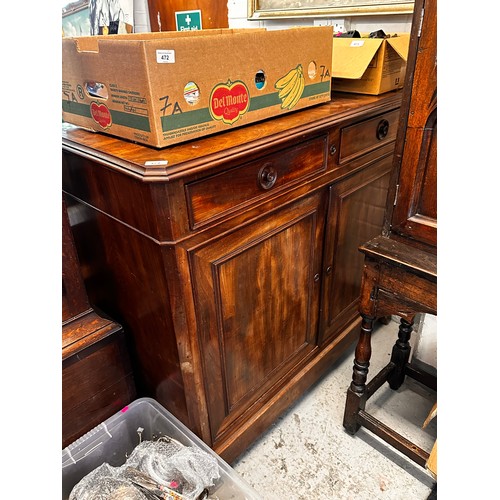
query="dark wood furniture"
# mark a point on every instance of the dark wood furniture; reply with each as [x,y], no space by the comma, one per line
[162,13]
[232,259]
[400,268]
[97,380]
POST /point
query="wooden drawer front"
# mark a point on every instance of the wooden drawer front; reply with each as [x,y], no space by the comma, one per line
[96,382]
[81,419]
[92,370]
[215,196]
[366,136]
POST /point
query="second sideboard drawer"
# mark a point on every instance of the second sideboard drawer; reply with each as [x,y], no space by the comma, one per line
[368,135]
[216,195]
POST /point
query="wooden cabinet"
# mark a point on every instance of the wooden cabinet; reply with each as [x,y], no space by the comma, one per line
[413,216]
[233,259]
[214,13]
[97,379]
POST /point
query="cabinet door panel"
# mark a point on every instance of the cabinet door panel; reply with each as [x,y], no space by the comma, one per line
[415,214]
[257,301]
[355,215]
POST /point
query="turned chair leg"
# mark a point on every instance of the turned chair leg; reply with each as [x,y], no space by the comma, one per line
[401,354]
[356,394]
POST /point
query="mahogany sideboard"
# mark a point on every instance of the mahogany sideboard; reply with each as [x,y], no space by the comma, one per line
[233,259]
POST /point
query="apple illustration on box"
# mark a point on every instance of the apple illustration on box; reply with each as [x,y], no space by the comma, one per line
[101,114]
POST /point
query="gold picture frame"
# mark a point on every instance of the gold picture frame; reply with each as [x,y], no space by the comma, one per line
[275,9]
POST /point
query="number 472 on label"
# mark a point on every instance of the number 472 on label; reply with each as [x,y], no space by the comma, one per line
[165,56]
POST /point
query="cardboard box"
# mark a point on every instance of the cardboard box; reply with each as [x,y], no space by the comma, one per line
[169,87]
[369,65]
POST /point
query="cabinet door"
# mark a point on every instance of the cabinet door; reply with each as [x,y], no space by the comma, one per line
[415,214]
[355,215]
[257,300]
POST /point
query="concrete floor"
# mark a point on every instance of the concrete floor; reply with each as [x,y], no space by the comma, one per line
[307,454]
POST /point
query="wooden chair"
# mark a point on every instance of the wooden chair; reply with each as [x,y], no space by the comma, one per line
[397,280]
[400,266]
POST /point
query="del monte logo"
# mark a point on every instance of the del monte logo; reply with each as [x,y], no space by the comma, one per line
[229,101]
[100,114]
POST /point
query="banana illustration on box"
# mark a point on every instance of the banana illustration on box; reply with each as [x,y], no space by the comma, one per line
[290,87]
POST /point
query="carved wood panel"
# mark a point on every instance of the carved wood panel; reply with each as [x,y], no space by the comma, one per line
[415,214]
[257,297]
[355,215]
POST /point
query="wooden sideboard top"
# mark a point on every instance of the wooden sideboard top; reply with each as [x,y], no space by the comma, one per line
[165,249]
[198,154]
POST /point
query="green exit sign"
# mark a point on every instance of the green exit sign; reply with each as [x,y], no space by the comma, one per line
[188,20]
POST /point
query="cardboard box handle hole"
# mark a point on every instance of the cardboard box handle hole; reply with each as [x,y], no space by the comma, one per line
[260,79]
[96,89]
[191,93]
[312,70]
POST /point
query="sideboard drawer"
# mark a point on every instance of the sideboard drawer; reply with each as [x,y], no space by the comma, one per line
[214,196]
[97,379]
[368,135]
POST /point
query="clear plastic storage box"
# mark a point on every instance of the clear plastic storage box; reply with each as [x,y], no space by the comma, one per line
[113,441]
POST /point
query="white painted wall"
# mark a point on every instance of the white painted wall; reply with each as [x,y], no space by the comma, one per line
[141,16]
